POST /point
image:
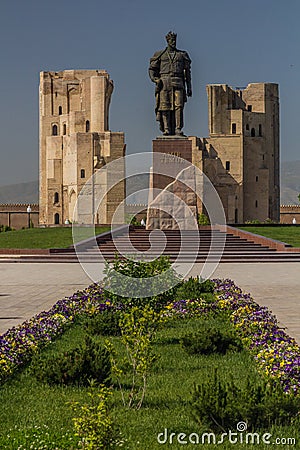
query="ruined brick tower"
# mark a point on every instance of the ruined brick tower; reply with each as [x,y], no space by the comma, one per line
[241,154]
[75,141]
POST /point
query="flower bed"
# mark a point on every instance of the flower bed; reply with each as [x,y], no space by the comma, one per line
[19,343]
[277,355]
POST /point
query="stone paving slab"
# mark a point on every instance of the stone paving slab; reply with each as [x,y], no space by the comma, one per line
[29,288]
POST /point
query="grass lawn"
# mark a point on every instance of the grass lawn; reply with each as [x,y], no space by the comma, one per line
[33,414]
[289,235]
[43,237]
[214,363]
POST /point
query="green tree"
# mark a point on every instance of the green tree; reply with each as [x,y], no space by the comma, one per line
[138,327]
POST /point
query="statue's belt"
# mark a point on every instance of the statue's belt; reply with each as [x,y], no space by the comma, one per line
[171,74]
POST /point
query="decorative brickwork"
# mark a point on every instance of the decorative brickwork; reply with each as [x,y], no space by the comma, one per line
[290,212]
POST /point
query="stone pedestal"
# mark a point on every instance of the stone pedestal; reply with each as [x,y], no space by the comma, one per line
[174,145]
[173,202]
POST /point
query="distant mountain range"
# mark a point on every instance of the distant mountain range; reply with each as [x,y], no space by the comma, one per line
[20,193]
[290,183]
[29,192]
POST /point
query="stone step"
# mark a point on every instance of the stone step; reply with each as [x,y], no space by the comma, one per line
[239,254]
[141,247]
[178,243]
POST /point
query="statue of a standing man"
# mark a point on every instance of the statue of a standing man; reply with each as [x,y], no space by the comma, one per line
[170,69]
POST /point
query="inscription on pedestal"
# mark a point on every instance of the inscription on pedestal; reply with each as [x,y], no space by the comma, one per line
[174,203]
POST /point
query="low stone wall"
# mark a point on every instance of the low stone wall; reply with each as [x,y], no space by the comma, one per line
[262,240]
[288,213]
[16,216]
[24,251]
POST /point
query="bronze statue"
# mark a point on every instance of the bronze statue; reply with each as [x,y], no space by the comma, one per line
[170,69]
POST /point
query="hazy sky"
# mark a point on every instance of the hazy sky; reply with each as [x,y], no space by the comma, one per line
[232,41]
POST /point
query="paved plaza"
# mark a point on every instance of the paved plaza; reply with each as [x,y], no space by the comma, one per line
[29,288]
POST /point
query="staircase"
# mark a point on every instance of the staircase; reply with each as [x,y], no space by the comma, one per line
[196,247]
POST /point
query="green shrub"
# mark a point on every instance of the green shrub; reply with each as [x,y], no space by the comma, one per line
[254,221]
[105,324]
[131,219]
[211,342]
[203,219]
[94,425]
[213,336]
[195,288]
[220,403]
[88,362]
[128,290]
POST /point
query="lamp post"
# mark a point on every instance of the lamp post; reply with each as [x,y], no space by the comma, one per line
[28,212]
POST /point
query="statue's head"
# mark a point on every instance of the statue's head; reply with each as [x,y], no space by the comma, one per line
[171,39]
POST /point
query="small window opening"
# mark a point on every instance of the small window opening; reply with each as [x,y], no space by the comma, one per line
[60,110]
[263,157]
[227,165]
[87,126]
[256,178]
[56,218]
[54,130]
[82,173]
[56,197]
[64,129]
[250,108]
[233,128]
[252,132]
[247,127]
[256,203]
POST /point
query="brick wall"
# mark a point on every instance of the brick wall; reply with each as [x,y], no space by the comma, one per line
[16,216]
[289,212]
